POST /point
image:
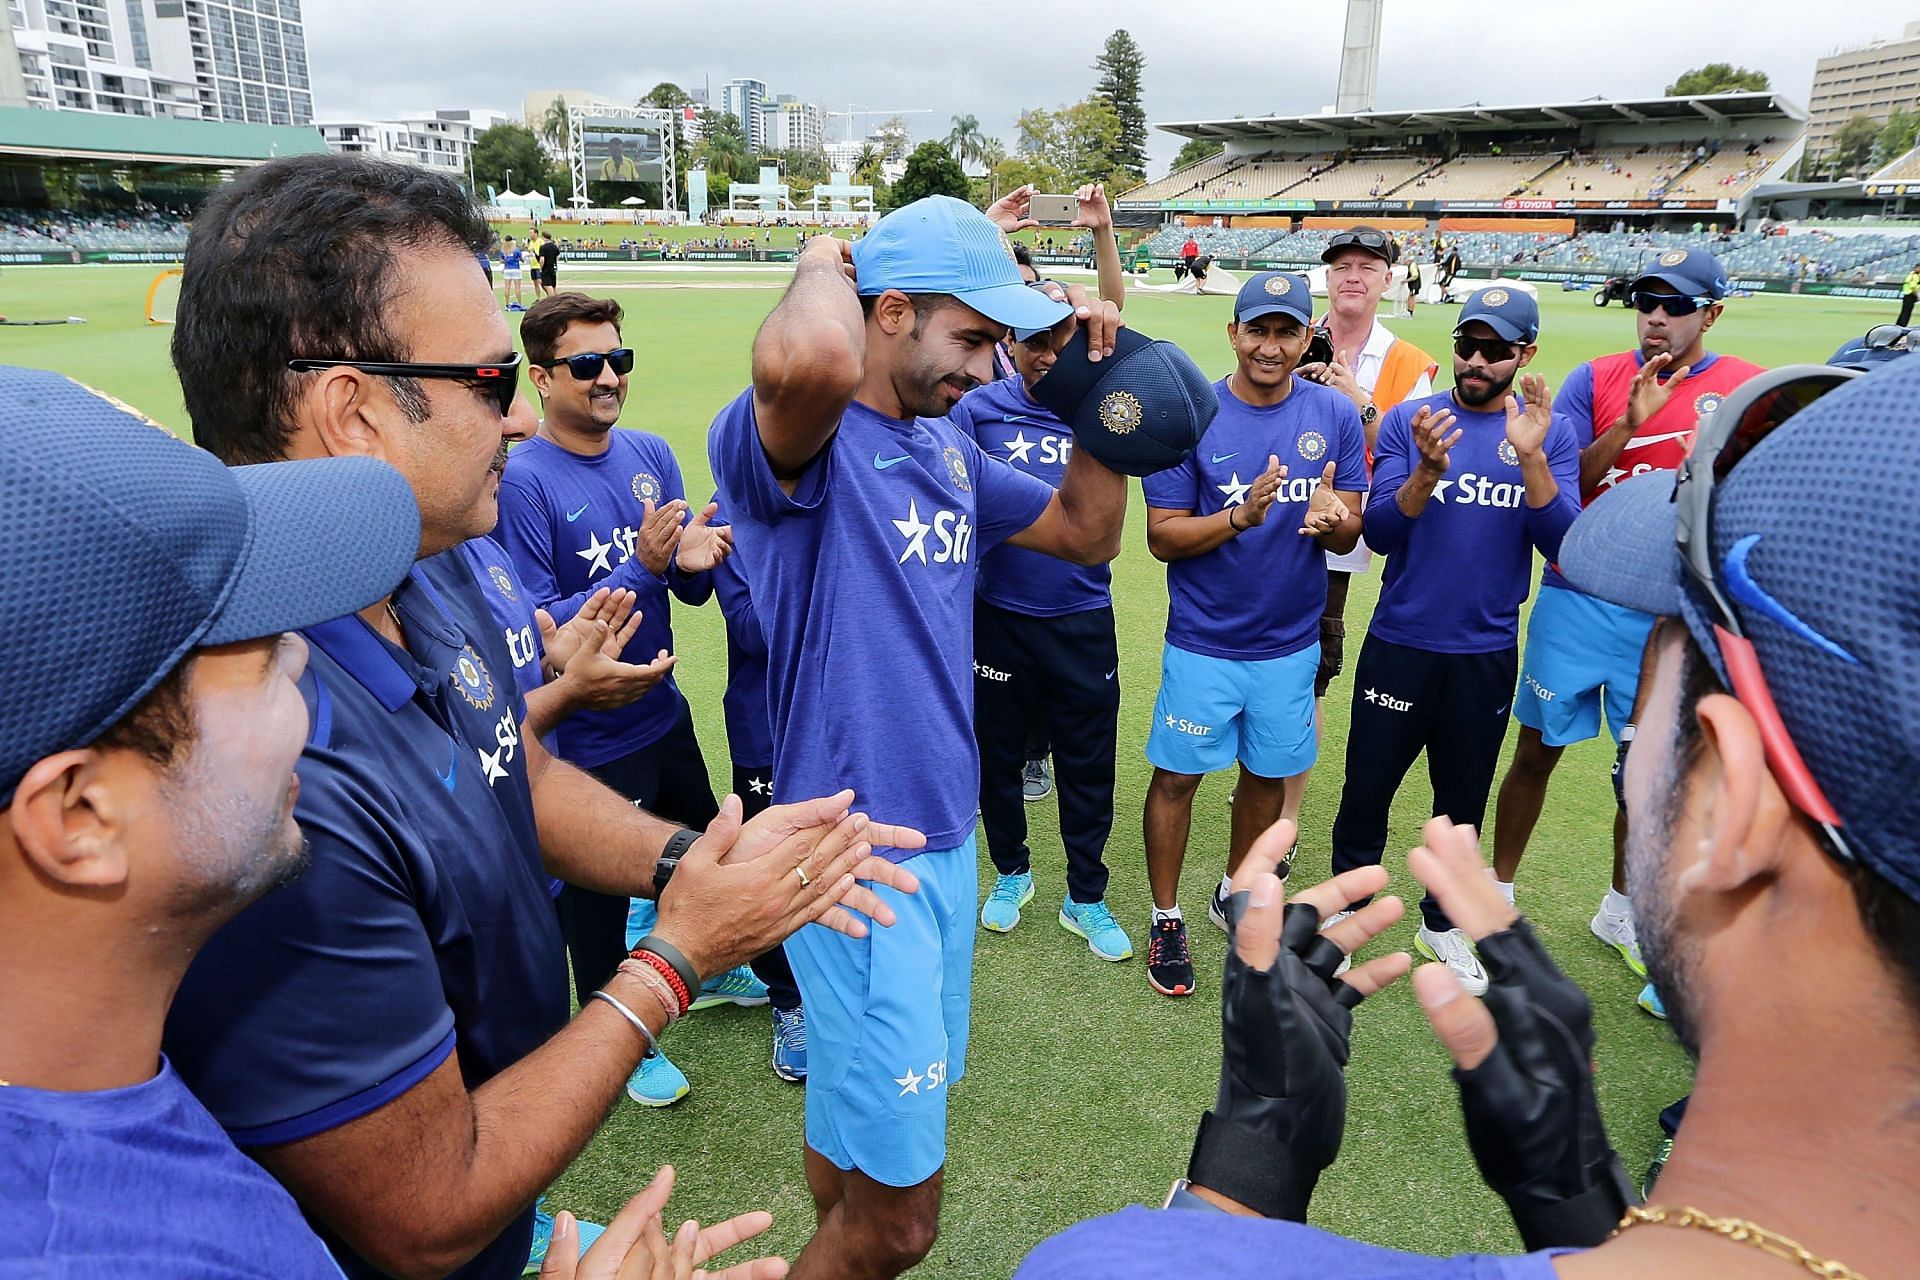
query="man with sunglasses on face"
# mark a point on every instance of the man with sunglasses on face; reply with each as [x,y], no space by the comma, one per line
[389,1036]
[1632,413]
[1467,485]
[584,506]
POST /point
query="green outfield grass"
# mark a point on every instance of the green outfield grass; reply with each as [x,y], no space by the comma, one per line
[1082,1086]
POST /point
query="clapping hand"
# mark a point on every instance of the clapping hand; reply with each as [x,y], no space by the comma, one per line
[1527,428]
[1433,440]
[659,534]
[1647,395]
[704,545]
[635,1245]
[1261,494]
[1326,511]
[613,608]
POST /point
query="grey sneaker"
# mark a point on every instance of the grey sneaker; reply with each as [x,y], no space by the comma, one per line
[1036,783]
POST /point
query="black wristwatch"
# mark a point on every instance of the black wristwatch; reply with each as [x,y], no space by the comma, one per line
[669,860]
[1369,414]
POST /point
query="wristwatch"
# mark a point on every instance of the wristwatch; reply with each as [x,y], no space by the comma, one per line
[669,860]
[1369,414]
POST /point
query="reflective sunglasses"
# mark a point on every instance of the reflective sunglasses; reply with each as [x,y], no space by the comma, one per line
[1886,337]
[1748,415]
[499,380]
[1492,350]
[587,365]
[1675,304]
[1373,241]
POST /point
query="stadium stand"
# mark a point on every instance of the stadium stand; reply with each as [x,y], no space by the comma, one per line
[1905,168]
[1364,177]
[142,230]
[1271,177]
[1183,181]
[1221,242]
[1613,173]
[1480,177]
[1730,172]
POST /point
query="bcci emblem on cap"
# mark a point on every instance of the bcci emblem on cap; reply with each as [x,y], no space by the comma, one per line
[503,580]
[1495,297]
[957,469]
[646,487]
[472,680]
[1120,412]
[1673,257]
[1278,285]
[1312,446]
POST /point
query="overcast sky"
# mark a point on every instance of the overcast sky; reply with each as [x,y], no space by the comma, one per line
[1205,58]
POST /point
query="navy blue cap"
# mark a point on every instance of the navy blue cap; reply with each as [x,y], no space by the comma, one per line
[1854,353]
[943,245]
[127,548]
[1272,291]
[1835,630]
[1138,411]
[1694,272]
[1511,313]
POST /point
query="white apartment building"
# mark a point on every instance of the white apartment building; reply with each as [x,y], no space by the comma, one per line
[788,124]
[441,140]
[741,98]
[1874,80]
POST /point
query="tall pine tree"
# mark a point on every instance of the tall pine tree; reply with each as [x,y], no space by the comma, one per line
[1120,65]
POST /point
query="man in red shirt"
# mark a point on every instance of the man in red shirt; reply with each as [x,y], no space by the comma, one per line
[1188,252]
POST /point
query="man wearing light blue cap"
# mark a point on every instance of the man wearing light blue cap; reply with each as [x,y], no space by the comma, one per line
[860,513]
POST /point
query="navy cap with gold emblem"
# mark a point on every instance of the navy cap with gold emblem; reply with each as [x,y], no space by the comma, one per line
[1140,410]
[1272,291]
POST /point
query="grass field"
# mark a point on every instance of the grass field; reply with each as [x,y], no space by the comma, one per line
[1083,1085]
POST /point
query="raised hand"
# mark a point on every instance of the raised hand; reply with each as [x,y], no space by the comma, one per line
[1432,438]
[1102,320]
[659,534]
[702,545]
[1261,494]
[1326,511]
[1646,395]
[635,1247]
[1094,213]
[1527,428]
[1009,212]
[1338,374]
[614,608]
[837,254]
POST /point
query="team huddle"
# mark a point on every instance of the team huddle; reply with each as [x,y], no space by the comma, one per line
[498,780]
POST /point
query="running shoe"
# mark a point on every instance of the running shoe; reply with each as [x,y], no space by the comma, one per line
[1346,962]
[1001,911]
[1036,781]
[1650,1001]
[1092,921]
[1452,949]
[657,1082]
[790,1045]
[1217,908]
[543,1236]
[735,986]
[1615,928]
[1658,1167]
[1169,960]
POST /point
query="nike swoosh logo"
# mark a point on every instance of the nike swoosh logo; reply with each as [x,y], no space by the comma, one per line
[450,779]
[1642,441]
[1018,417]
[881,464]
[575,515]
[1502,710]
[1224,457]
[1109,674]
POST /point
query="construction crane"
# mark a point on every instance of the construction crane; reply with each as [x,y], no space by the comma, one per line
[850,114]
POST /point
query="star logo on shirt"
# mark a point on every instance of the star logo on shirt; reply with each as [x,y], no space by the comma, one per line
[1235,490]
[915,531]
[490,764]
[909,1083]
[1440,488]
[1019,447]
[1169,720]
[1613,477]
[596,554]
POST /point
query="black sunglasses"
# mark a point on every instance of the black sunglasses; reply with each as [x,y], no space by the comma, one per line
[1748,415]
[1885,337]
[499,379]
[1492,350]
[1374,241]
[1675,304]
[587,365]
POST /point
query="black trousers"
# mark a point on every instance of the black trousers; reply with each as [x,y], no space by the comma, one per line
[1906,308]
[1454,706]
[1063,674]
[668,778]
[755,789]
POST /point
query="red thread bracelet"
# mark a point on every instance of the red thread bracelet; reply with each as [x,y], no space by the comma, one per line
[660,966]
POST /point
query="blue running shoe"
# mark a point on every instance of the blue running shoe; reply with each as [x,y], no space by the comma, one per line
[543,1236]
[790,1045]
[1092,921]
[1650,1001]
[657,1082]
[641,913]
[735,986]
[1002,909]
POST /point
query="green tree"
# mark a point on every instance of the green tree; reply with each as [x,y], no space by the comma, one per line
[931,171]
[1120,65]
[1197,149]
[511,148]
[666,96]
[965,139]
[1717,77]
[894,140]
[866,167]
[553,124]
[1076,141]
[1897,136]
[1023,170]
[1852,147]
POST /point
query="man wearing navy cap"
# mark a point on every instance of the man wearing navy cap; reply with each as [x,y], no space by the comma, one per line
[1631,413]
[1242,525]
[860,512]
[390,1035]
[146,794]
[1479,476]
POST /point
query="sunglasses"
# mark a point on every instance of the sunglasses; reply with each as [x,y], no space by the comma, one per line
[1492,350]
[587,365]
[1675,304]
[1747,416]
[1886,337]
[1374,241]
[499,380]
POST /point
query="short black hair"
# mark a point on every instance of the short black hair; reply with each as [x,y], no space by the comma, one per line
[547,320]
[1023,255]
[295,258]
[924,305]
[161,727]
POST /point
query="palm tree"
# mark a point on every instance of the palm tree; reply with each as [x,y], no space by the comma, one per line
[553,124]
[965,140]
[866,168]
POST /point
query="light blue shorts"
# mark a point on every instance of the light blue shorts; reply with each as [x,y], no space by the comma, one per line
[887,1020]
[1213,711]
[1581,653]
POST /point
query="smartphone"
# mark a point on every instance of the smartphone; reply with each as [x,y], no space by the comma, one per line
[1053,211]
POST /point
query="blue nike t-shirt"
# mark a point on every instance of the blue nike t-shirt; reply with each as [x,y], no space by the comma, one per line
[1457,575]
[1260,594]
[141,1182]
[748,713]
[1151,1244]
[570,523]
[863,579]
[1010,425]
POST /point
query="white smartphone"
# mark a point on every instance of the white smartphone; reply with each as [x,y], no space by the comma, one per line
[1053,211]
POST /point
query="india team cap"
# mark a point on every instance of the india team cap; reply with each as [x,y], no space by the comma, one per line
[1694,272]
[1272,291]
[1511,313]
[1140,410]
[127,548]
[943,245]
[1836,631]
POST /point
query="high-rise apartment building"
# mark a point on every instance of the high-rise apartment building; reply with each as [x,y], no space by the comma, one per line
[741,98]
[788,124]
[1874,80]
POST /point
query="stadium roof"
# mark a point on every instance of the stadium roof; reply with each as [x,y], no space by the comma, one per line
[89,135]
[1713,108]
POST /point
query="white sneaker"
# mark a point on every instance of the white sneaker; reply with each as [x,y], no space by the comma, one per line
[1454,951]
[1346,962]
[1616,930]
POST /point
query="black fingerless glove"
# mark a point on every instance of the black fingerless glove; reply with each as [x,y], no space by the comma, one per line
[1532,1116]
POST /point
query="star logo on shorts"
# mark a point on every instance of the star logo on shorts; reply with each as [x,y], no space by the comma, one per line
[909,1083]
[758,786]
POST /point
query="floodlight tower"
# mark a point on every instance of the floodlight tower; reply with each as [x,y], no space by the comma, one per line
[1359,57]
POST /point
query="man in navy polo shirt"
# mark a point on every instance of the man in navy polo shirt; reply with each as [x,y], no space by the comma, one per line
[389,1036]
[860,510]
[1467,485]
[1044,658]
[1242,525]
[146,794]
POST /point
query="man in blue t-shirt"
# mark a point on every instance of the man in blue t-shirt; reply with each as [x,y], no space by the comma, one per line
[389,1036]
[1479,476]
[860,511]
[1243,526]
[146,795]
[1045,663]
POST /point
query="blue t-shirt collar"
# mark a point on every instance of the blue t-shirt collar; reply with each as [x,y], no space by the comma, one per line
[390,674]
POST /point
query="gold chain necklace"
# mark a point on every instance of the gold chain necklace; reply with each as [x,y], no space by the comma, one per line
[1742,1231]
